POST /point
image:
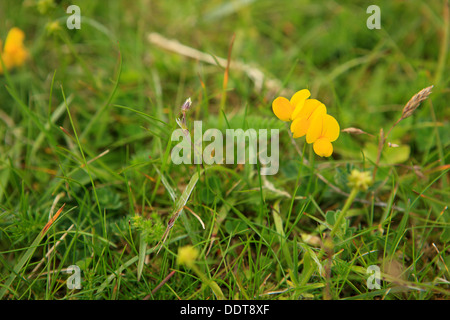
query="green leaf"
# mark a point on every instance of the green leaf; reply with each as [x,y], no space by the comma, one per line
[142,253]
[109,199]
[389,155]
[445,236]
[310,259]
[84,263]
[209,190]
[25,258]
[278,221]
[330,217]
[233,226]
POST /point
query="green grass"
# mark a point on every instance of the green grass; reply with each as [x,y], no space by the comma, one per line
[87,121]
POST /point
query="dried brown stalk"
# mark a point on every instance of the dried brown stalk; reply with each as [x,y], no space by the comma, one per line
[408,110]
[256,75]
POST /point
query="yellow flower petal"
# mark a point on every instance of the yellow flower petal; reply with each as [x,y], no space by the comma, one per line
[322,125]
[323,147]
[302,122]
[300,96]
[330,128]
[298,100]
[299,127]
[1,67]
[14,38]
[8,61]
[315,129]
[309,107]
[282,108]
[15,53]
[319,111]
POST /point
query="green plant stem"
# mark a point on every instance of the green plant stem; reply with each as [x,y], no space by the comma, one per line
[212,284]
[443,52]
[343,213]
[336,227]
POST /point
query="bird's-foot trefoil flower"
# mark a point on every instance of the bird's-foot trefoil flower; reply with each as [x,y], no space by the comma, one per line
[14,53]
[302,121]
[323,130]
[285,109]
[309,117]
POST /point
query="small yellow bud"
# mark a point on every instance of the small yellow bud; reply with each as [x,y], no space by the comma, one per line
[187,255]
[45,6]
[360,180]
[53,27]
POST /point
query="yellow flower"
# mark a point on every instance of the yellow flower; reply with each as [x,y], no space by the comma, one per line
[302,120]
[14,53]
[285,109]
[309,117]
[323,130]
[187,255]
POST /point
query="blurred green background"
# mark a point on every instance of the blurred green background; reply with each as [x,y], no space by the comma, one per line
[363,76]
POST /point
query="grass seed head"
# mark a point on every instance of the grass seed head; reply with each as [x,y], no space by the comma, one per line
[415,101]
[186,105]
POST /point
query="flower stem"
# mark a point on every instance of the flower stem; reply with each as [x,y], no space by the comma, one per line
[343,213]
[336,227]
[212,284]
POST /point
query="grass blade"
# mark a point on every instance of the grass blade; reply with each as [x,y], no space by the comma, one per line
[27,255]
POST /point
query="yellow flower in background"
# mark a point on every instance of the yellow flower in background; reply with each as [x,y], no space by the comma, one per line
[187,255]
[14,53]
[285,109]
[323,130]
